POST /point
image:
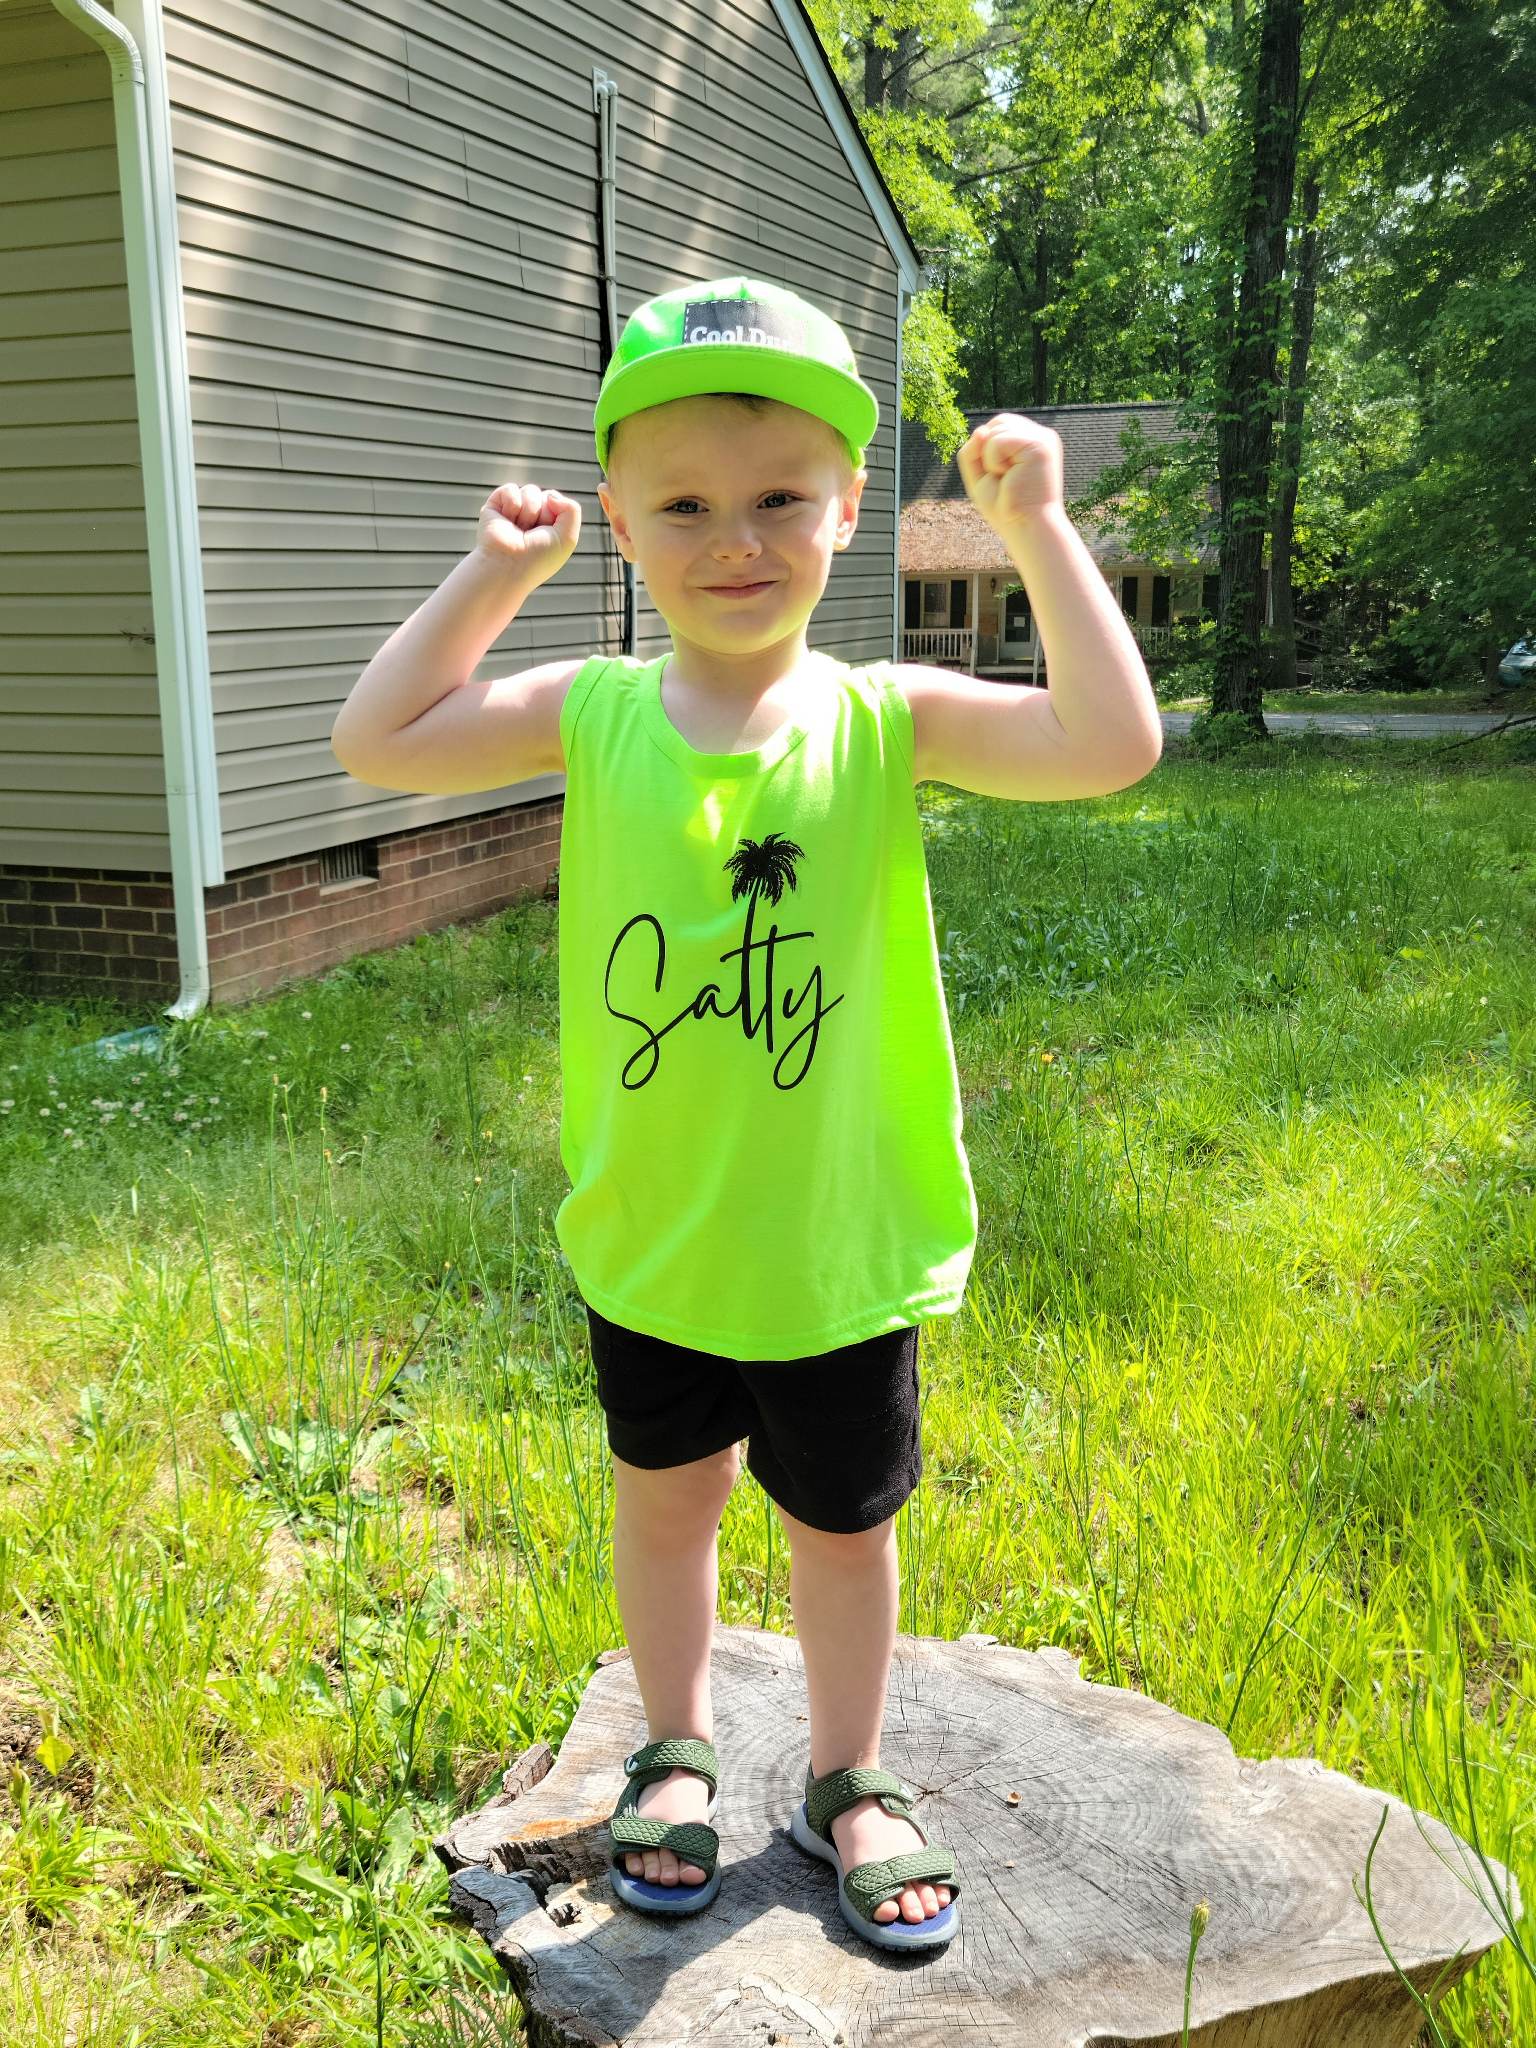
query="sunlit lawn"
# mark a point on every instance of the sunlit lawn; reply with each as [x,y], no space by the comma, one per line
[306,1516]
[1322,703]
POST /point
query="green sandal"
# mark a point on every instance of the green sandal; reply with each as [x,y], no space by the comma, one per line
[691,1841]
[867,1885]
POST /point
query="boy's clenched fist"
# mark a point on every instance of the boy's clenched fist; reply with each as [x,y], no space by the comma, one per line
[1011,467]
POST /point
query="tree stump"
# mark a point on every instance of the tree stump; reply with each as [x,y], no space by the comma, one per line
[1086,1821]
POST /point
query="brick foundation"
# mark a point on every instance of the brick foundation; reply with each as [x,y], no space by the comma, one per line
[109,932]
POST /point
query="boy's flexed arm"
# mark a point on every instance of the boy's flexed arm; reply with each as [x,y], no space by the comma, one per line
[413,720]
[1095,727]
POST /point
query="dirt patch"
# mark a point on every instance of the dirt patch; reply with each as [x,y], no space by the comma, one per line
[20,1734]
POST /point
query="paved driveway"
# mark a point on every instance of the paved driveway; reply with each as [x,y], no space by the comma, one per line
[1363,724]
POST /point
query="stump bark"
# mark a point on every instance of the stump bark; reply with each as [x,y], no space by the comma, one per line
[1086,1821]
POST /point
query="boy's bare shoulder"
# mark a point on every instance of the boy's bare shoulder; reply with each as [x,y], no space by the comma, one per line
[479,736]
[530,704]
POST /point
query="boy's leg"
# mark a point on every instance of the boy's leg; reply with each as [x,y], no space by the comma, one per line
[844,1591]
[666,1578]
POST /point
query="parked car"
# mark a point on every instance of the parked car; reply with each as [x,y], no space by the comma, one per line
[1518,665]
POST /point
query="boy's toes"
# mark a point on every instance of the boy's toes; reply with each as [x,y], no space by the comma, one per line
[916,1902]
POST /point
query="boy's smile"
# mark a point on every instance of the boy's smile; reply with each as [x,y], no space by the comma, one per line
[732,515]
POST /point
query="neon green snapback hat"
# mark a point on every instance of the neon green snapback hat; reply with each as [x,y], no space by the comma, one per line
[736,334]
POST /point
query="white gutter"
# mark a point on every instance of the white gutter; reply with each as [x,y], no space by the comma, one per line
[141,119]
[899,606]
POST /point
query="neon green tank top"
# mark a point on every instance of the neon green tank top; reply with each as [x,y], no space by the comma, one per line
[761,1114]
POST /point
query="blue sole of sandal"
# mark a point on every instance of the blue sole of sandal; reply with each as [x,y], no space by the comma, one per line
[935,1933]
[663,1899]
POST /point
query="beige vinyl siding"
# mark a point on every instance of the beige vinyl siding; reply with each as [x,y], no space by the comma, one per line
[82,780]
[389,239]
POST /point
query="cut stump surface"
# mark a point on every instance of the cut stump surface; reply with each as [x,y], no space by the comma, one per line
[1086,1822]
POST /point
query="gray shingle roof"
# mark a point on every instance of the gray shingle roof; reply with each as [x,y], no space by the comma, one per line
[942,531]
[1090,442]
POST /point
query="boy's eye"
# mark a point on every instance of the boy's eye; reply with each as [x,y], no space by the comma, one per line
[677,503]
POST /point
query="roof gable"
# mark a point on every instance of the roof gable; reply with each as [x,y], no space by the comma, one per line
[800,30]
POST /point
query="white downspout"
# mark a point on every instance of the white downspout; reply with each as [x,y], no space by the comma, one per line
[141,119]
[903,307]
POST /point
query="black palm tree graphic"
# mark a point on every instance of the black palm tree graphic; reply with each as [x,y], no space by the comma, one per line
[762,867]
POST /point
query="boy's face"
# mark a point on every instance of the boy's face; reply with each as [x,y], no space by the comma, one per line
[703,492]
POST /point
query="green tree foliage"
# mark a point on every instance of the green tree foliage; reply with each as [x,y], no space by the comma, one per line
[1082,181]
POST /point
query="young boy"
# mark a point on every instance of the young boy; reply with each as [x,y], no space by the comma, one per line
[760,1110]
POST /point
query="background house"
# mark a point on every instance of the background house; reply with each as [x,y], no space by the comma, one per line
[956,608]
[286,293]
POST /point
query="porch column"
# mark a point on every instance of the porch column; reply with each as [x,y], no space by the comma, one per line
[975,615]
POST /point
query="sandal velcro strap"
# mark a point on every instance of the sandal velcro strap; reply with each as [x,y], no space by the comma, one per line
[868,1885]
[827,1797]
[691,1841]
[671,1753]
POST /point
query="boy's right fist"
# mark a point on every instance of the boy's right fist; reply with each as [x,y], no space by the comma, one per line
[532,530]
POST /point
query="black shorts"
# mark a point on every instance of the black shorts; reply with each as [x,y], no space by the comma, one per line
[833,1439]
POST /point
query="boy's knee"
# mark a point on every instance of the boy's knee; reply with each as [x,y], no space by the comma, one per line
[859,1546]
[679,1497]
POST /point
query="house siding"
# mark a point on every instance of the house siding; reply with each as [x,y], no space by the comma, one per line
[81,771]
[389,228]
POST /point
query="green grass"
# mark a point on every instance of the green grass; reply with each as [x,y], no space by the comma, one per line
[306,1515]
[1367,703]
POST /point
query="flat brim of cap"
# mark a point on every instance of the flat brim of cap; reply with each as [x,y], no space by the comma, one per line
[844,400]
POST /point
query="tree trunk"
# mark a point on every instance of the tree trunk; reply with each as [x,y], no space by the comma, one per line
[888,73]
[1288,454]
[1086,1821]
[1245,433]
[1040,360]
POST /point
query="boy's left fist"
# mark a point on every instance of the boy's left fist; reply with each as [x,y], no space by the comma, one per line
[1011,468]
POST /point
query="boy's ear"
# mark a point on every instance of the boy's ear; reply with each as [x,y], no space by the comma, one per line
[614,516]
[848,511]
